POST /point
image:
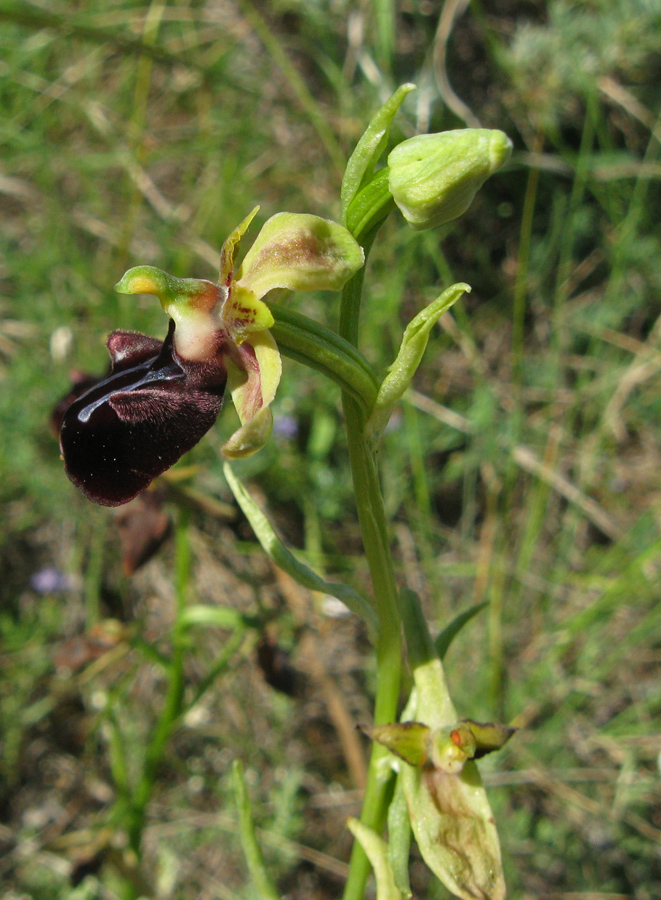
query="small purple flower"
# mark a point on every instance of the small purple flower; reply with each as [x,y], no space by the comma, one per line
[286,426]
[50,581]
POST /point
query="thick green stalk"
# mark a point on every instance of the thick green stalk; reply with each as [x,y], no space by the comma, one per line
[374,529]
[308,342]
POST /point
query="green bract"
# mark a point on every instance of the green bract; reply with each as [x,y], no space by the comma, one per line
[434,177]
[414,342]
[369,148]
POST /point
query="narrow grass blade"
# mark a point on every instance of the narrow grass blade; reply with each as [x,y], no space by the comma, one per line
[448,634]
[296,82]
[260,877]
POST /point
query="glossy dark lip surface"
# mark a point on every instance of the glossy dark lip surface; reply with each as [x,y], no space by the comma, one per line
[133,425]
[122,381]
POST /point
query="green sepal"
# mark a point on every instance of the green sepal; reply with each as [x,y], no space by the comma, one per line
[369,148]
[488,736]
[408,740]
[300,252]
[414,342]
[455,830]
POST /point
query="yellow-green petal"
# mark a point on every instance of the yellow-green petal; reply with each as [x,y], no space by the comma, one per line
[253,375]
[185,293]
[270,364]
[251,437]
[194,304]
[243,314]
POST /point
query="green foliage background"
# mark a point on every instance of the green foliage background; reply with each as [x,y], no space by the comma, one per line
[523,470]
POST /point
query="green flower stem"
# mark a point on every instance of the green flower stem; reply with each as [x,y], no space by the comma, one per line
[308,342]
[370,207]
[374,529]
[350,306]
[371,514]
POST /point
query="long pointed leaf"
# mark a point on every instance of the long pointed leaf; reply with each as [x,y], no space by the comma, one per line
[286,560]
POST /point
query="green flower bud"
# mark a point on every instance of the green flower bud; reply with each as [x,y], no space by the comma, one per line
[434,177]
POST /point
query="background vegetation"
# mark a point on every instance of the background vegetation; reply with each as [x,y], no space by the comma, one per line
[523,470]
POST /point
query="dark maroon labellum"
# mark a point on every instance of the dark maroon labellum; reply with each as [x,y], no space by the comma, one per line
[81,383]
[151,409]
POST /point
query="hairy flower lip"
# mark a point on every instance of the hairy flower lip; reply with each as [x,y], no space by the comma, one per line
[81,383]
[138,421]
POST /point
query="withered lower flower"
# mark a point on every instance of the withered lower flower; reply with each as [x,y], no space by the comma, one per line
[143,526]
[161,398]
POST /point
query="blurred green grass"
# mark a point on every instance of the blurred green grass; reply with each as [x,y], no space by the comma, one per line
[136,134]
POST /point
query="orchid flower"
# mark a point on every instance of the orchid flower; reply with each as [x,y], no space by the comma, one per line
[160,398]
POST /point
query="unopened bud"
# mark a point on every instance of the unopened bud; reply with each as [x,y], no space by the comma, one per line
[434,177]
